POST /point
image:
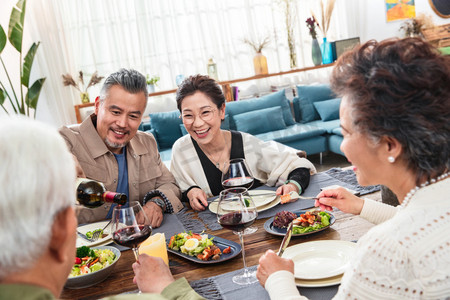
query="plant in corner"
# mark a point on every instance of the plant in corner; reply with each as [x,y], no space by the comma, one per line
[20,103]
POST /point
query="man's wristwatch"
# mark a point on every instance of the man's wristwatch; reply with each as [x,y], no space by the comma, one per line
[159,202]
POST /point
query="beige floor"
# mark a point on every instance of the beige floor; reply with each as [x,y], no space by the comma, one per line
[329,160]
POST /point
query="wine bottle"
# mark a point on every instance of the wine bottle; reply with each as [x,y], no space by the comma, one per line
[92,194]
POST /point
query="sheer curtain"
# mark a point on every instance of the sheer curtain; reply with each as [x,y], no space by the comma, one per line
[168,38]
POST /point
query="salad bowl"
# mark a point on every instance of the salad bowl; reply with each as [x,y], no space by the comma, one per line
[90,279]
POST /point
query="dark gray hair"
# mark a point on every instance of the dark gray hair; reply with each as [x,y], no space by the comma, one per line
[401,89]
[130,80]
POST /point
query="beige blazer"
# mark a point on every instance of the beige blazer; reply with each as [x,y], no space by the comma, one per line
[146,171]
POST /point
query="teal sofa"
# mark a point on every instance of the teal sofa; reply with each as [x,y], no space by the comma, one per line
[316,105]
[269,118]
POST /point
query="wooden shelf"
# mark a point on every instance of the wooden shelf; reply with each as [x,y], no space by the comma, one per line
[226,86]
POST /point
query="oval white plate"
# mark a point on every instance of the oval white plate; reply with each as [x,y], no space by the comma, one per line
[261,197]
[269,203]
[320,259]
[90,227]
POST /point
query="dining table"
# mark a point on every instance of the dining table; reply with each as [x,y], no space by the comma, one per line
[347,227]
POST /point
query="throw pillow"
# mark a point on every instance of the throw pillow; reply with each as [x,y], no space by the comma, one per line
[307,95]
[272,100]
[167,127]
[260,121]
[328,109]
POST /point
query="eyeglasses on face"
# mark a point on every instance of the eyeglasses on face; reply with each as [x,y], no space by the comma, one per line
[206,115]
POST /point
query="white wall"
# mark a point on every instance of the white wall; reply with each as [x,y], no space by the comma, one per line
[372,19]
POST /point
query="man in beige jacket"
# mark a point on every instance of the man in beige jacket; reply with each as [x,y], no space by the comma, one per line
[109,148]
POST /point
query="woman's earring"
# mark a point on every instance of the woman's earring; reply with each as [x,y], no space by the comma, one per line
[391,159]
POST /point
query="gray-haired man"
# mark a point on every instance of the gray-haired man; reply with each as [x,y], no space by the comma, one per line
[110,149]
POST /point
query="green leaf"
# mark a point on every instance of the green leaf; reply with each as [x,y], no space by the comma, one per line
[16,21]
[2,39]
[32,97]
[2,97]
[28,63]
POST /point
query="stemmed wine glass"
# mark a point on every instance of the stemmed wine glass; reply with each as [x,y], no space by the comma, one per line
[236,211]
[130,226]
[237,174]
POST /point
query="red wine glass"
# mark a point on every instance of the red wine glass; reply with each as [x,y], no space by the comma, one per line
[130,226]
[236,211]
[237,174]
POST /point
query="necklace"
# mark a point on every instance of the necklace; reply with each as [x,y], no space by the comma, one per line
[414,190]
[216,163]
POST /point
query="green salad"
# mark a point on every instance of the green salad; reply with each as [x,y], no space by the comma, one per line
[311,221]
[90,260]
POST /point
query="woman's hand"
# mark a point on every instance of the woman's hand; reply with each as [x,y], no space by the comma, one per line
[197,199]
[286,189]
[340,198]
[270,263]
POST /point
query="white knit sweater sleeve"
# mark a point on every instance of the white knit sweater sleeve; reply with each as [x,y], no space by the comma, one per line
[377,212]
[281,285]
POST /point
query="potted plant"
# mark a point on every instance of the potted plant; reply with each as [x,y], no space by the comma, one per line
[28,95]
[151,83]
[259,60]
[69,81]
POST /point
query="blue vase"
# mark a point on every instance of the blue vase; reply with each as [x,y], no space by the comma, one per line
[315,53]
[327,53]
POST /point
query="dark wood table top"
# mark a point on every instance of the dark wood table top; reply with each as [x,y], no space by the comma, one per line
[347,228]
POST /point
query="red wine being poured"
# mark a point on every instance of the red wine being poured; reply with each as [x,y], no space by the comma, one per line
[132,236]
[237,221]
[245,182]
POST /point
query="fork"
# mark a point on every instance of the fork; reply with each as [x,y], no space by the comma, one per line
[96,234]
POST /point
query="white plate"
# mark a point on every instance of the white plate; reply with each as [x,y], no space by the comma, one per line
[319,282]
[213,205]
[90,227]
[320,259]
[261,197]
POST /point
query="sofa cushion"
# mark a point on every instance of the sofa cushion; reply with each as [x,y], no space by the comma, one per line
[260,121]
[292,133]
[337,131]
[152,131]
[167,127]
[308,94]
[328,109]
[271,100]
[328,126]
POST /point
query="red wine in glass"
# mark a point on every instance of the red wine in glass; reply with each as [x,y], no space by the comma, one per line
[236,211]
[245,182]
[132,236]
[237,174]
[130,226]
[237,221]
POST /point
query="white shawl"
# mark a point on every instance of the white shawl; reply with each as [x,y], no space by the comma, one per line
[269,162]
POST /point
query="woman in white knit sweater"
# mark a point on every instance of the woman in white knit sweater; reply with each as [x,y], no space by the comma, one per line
[395,114]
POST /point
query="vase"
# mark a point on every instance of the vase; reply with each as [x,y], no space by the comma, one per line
[327,53]
[315,53]
[150,88]
[84,98]
[260,64]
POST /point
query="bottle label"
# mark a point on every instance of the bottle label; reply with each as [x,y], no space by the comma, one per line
[109,196]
